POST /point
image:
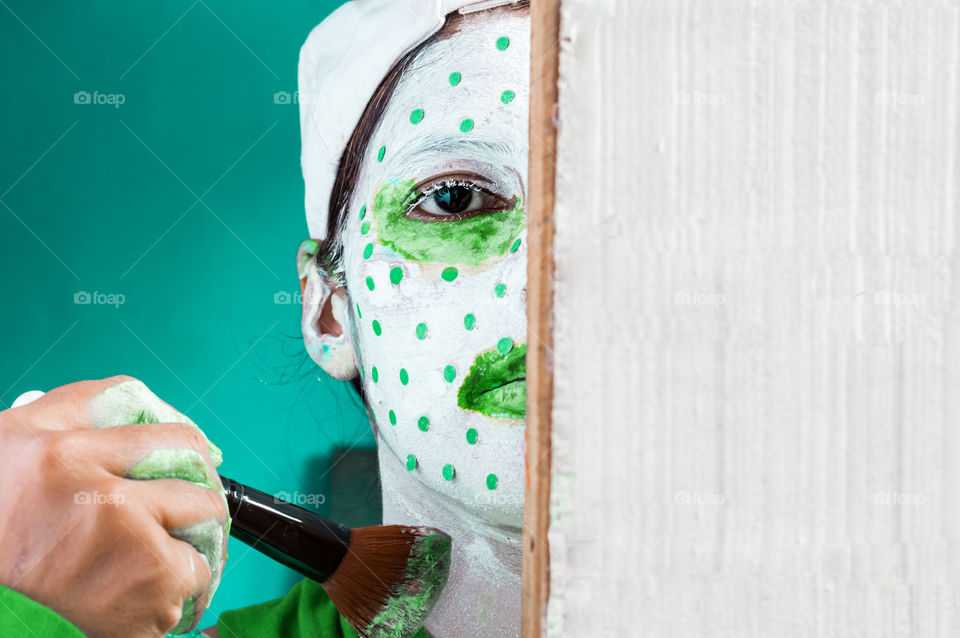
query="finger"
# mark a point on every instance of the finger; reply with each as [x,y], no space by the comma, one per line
[196,577]
[175,504]
[146,451]
[66,407]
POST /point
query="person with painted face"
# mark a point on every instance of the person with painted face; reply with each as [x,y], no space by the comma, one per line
[414,153]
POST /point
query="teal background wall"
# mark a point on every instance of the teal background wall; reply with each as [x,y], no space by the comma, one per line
[187,200]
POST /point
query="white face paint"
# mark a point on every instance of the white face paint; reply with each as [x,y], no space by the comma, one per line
[434,292]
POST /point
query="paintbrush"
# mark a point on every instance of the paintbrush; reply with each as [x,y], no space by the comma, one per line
[383,579]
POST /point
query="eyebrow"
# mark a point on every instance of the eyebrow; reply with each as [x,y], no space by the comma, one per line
[425,147]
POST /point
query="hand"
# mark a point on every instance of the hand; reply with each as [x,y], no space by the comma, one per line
[83,532]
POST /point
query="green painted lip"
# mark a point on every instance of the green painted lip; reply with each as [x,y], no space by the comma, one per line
[497,384]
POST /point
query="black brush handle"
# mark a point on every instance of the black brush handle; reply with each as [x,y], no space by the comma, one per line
[291,535]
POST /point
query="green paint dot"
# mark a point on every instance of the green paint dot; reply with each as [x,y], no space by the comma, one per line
[381,153]
[369,283]
[449,273]
[367,251]
[411,462]
[421,331]
[469,321]
[472,436]
[359,315]
[503,42]
[363,211]
[374,374]
[365,227]
[396,274]
[449,374]
[466,126]
[393,417]
[416,116]
[423,423]
[492,481]
[448,472]
[454,78]
[515,245]
[507,96]
[505,345]
[499,290]
[404,377]
[376,327]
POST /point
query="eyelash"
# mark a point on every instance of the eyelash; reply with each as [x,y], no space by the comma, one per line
[416,212]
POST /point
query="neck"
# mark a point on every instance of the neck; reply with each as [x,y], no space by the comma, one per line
[482,596]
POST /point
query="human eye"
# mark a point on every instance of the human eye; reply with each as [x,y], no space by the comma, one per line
[453,197]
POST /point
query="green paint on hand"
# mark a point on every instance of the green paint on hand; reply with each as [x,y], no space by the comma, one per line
[185,623]
[455,78]
[423,423]
[393,417]
[472,436]
[515,245]
[185,464]
[507,96]
[404,377]
[369,283]
[411,462]
[416,116]
[449,374]
[505,345]
[503,42]
[381,153]
[496,384]
[449,273]
[365,227]
[500,290]
[466,241]
[367,251]
[396,274]
[469,321]
[492,481]
[374,374]
[421,331]
[376,327]
[466,126]
[427,570]
[448,472]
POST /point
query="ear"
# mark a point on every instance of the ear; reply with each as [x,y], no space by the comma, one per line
[325,322]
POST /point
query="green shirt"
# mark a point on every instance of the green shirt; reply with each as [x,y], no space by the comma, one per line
[306,611]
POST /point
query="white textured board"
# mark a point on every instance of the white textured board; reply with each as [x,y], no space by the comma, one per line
[756,427]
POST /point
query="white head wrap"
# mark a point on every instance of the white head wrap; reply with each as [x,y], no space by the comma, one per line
[342,62]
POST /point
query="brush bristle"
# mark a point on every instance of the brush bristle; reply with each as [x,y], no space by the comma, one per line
[390,578]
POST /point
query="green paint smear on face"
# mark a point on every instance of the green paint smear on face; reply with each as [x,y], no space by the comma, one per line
[466,241]
[427,570]
[496,384]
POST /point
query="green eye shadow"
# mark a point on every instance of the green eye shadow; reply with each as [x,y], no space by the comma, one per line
[464,242]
